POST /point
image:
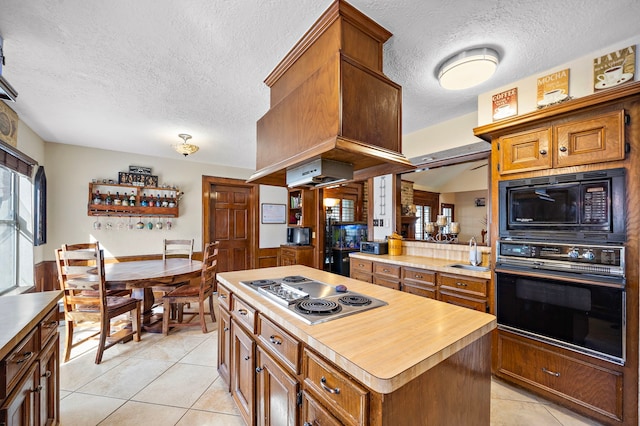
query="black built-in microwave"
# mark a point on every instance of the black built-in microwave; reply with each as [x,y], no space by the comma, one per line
[581,207]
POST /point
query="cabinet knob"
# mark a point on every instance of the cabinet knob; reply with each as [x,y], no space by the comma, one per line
[258,370]
[247,358]
[47,374]
[543,152]
[226,329]
[563,149]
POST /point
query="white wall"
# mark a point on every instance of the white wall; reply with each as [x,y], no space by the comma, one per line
[580,82]
[381,206]
[70,169]
[272,234]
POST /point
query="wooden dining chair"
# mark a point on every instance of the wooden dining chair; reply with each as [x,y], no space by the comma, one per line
[194,294]
[174,249]
[81,277]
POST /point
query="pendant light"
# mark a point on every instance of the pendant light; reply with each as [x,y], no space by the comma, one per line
[185,148]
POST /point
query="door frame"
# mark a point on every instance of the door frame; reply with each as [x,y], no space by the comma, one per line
[207,183]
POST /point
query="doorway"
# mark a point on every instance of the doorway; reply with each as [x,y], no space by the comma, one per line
[229,216]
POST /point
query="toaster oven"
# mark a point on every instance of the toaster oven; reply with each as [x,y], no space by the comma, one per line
[374,247]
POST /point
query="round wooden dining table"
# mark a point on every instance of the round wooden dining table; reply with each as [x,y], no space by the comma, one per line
[140,276]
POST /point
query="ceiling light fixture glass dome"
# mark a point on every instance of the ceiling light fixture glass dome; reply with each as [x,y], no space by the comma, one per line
[468,68]
[185,148]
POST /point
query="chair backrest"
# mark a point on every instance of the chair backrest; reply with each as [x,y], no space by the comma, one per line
[81,275]
[177,248]
[209,266]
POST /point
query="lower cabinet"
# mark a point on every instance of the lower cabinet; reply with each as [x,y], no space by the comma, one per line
[243,367]
[386,275]
[581,381]
[469,292]
[296,255]
[313,413]
[276,392]
[419,282]
[224,346]
[30,379]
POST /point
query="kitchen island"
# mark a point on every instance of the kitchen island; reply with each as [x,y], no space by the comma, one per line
[413,361]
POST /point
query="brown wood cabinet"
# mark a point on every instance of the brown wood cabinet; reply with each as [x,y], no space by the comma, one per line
[29,377]
[314,413]
[593,138]
[276,392]
[361,270]
[243,367]
[460,290]
[224,345]
[387,275]
[296,255]
[587,382]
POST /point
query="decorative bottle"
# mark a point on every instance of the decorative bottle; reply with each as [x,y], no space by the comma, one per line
[144,202]
[108,201]
[117,201]
[132,200]
[96,198]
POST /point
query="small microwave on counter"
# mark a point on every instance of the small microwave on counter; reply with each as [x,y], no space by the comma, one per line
[374,247]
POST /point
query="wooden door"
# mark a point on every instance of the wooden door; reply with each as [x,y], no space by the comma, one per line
[525,151]
[229,217]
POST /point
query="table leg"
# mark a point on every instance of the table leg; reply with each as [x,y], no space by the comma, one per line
[151,322]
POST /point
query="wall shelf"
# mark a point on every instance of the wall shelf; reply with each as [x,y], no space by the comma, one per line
[166,196]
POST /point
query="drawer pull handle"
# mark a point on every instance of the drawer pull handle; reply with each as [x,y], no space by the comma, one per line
[258,370]
[563,149]
[47,374]
[222,296]
[25,357]
[275,340]
[243,311]
[543,152]
[334,391]
[461,284]
[552,373]
[419,277]
[52,324]
[247,358]
[386,270]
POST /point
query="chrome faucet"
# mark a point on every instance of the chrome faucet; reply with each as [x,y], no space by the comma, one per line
[473,252]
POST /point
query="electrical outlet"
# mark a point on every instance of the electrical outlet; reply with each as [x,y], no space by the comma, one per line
[381,222]
[375,222]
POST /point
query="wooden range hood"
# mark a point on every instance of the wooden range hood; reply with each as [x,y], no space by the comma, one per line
[330,100]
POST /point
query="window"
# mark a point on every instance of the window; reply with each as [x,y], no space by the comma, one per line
[16,231]
[423,214]
[343,211]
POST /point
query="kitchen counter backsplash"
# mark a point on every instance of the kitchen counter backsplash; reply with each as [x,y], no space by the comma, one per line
[453,252]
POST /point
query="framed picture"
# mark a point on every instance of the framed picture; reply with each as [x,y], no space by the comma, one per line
[274,213]
[139,169]
[137,179]
[480,202]
[8,125]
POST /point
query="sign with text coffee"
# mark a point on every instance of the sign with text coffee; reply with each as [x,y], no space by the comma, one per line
[505,104]
[614,68]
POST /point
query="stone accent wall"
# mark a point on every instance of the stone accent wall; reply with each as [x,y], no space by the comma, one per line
[406,193]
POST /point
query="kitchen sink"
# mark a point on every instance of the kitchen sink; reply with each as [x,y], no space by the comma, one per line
[470,267]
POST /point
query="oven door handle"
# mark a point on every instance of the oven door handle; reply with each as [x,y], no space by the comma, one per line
[588,279]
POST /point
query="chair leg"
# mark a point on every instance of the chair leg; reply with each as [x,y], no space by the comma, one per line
[69,340]
[136,322]
[213,314]
[203,323]
[105,331]
[166,308]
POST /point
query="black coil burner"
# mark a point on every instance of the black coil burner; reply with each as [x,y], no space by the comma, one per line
[318,307]
[260,283]
[354,300]
[294,279]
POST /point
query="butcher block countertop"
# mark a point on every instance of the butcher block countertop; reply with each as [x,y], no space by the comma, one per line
[431,263]
[384,348]
[20,314]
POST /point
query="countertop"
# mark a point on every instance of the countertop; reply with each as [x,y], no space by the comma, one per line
[20,314]
[384,348]
[431,263]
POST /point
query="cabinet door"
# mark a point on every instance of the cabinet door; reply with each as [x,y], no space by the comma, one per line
[313,413]
[526,151]
[50,383]
[243,372]
[224,345]
[593,140]
[19,409]
[276,393]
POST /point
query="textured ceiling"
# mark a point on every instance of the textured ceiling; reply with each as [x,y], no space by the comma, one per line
[131,75]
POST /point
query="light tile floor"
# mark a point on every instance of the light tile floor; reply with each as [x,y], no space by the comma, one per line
[173,381]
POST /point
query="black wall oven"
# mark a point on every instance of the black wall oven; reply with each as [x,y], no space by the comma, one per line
[580,207]
[566,295]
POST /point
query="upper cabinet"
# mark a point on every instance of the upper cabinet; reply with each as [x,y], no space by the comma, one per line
[570,142]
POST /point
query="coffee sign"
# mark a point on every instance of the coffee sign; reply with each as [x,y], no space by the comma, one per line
[505,104]
[614,68]
[553,88]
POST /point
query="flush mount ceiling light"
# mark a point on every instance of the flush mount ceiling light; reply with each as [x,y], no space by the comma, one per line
[468,68]
[185,148]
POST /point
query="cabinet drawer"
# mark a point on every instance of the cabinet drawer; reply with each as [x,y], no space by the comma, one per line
[418,276]
[287,252]
[386,269]
[424,290]
[361,265]
[466,285]
[244,313]
[464,301]
[313,413]
[280,344]
[362,276]
[344,397]
[389,283]
[18,360]
[593,386]
[224,297]
[48,327]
